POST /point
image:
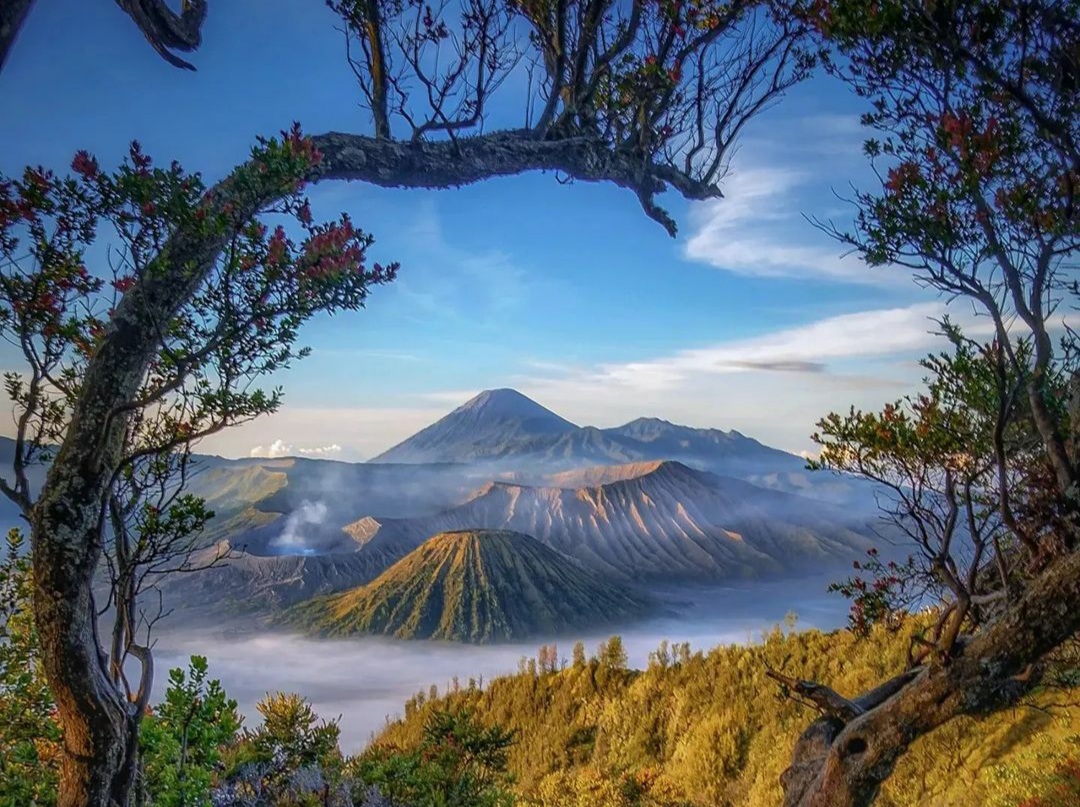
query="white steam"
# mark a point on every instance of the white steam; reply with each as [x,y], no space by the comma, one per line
[307,514]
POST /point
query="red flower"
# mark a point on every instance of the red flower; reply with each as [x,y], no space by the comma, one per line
[85,165]
[123,284]
[275,249]
[138,159]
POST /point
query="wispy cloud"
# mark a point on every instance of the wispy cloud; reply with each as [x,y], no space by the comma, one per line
[459,284]
[774,387]
[803,349]
[757,229]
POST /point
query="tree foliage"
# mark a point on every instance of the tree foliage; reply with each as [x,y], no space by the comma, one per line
[183,739]
[67,305]
[973,107]
[706,729]
[29,732]
[457,763]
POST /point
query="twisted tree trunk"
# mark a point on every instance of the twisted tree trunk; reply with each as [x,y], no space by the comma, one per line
[67,523]
[842,761]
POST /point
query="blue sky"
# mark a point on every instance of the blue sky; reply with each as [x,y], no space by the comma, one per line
[750,319]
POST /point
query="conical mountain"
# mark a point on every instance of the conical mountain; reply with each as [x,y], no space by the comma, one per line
[474,586]
[484,427]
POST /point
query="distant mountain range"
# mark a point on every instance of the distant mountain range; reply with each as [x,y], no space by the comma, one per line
[474,586]
[642,503]
[647,521]
[503,427]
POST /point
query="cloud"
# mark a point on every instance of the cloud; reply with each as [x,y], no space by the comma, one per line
[360,432]
[279,448]
[782,366]
[461,285]
[773,387]
[803,349]
[756,229]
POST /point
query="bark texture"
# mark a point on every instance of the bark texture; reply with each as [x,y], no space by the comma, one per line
[843,763]
[12,16]
[452,163]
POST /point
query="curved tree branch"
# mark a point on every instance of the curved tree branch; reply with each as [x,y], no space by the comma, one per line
[843,762]
[163,28]
[449,164]
[12,16]
[166,30]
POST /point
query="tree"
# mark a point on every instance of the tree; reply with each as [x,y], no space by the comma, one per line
[961,476]
[578,655]
[975,105]
[181,742]
[458,763]
[29,734]
[648,96]
[125,368]
[163,28]
[292,740]
[612,655]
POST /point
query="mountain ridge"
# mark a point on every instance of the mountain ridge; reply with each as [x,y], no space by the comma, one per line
[667,521]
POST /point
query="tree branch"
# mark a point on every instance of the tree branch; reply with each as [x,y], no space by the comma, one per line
[166,30]
[838,764]
[448,164]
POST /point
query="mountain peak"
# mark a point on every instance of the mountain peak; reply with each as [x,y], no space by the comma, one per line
[647,421]
[486,426]
[506,402]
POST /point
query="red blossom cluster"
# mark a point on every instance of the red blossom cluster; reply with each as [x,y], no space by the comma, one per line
[301,145]
[902,177]
[333,249]
[139,160]
[85,165]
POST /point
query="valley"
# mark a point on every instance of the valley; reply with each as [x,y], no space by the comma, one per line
[367,679]
[632,508]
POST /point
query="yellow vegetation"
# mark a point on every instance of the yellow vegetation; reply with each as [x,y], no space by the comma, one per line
[710,729]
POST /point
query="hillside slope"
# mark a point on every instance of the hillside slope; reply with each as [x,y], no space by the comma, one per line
[473,586]
[702,729]
[237,584]
[659,520]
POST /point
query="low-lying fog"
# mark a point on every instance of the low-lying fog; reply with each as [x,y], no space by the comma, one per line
[366,680]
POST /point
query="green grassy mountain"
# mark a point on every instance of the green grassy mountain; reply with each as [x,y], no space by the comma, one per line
[474,586]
